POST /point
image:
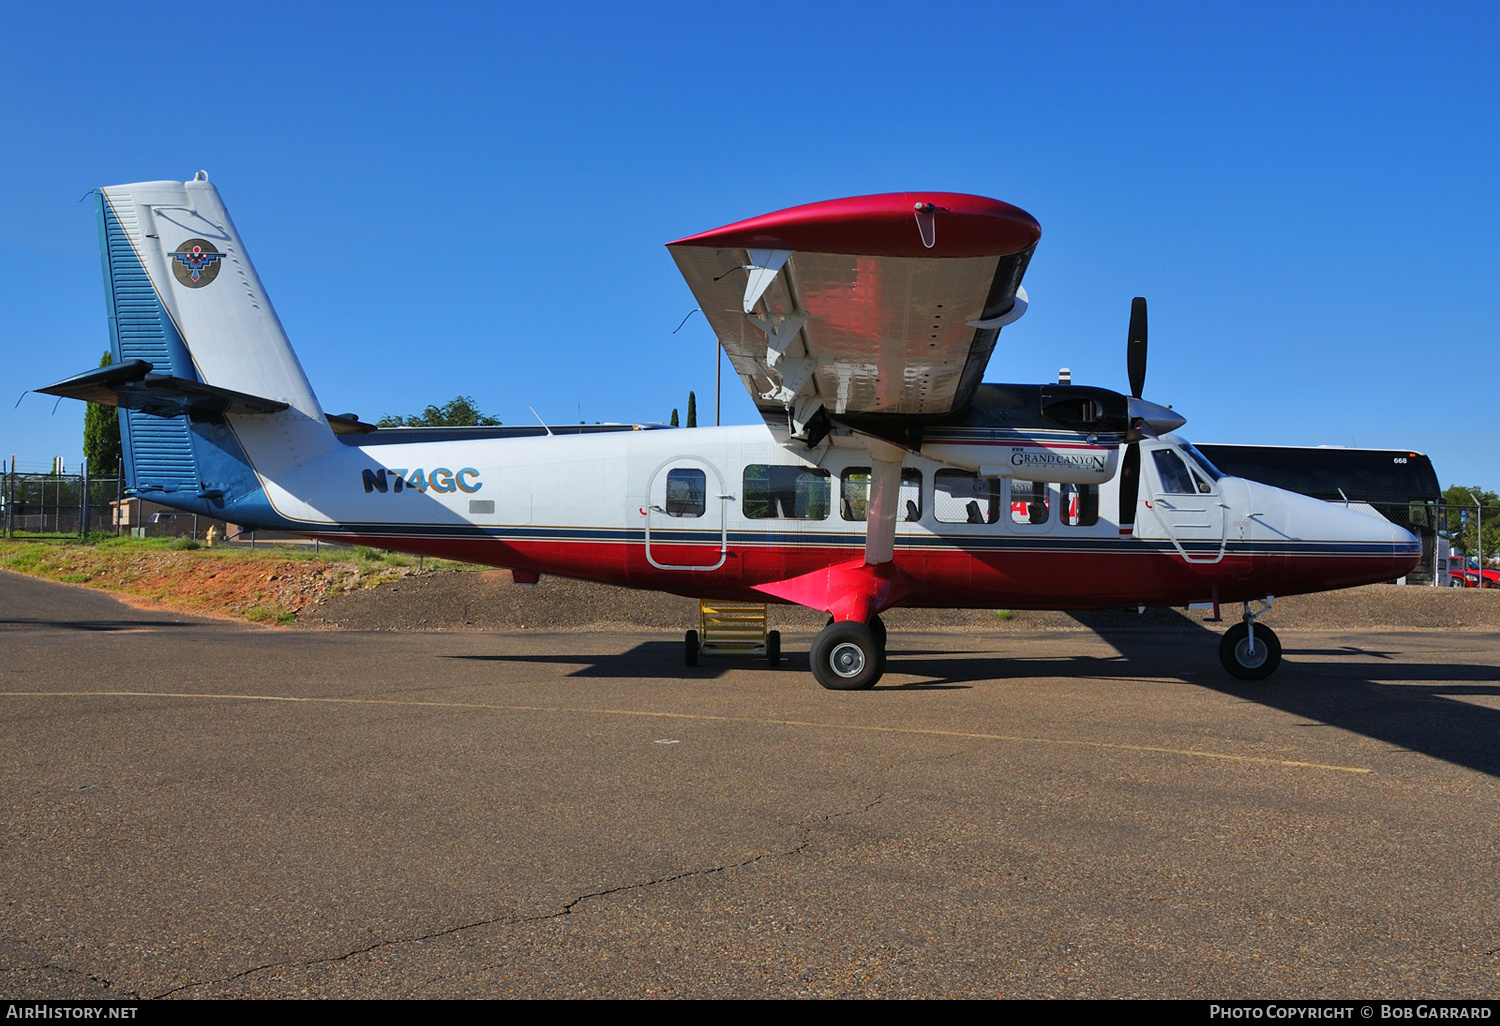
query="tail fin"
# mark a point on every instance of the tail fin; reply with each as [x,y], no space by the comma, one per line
[184,297]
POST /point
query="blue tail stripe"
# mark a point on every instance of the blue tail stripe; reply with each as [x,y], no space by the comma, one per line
[158,451]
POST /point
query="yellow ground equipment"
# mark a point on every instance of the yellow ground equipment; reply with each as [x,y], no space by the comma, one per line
[732,628]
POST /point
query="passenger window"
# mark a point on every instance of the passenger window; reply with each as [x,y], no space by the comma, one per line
[687,492]
[1173,473]
[1080,505]
[959,497]
[792,493]
[854,494]
[1028,502]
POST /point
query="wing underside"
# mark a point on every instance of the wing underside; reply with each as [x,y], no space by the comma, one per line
[864,312]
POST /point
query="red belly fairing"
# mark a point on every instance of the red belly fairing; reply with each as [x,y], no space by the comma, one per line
[940,577]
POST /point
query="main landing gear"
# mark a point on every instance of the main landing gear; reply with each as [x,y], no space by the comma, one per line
[1250,652]
[849,655]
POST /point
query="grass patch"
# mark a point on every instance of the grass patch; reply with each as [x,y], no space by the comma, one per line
[75,578]
[24,558]
[273,613]
[1005,614]
[368,554]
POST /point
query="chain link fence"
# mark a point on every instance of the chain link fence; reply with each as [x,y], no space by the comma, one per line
[1448,533]
[61,505]
[58,504]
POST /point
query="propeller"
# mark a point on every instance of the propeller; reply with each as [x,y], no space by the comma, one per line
[1135,347]
[1147,419]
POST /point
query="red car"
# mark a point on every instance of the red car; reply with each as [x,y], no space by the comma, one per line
[1468,577]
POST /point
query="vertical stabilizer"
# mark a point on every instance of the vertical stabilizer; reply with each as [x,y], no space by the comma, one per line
[184,296]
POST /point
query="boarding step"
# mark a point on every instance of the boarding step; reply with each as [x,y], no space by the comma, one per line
[733,628]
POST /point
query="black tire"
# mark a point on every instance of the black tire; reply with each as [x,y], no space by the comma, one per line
[690,648]
[1240,662]
[877,625]
[773,648]
[845,657]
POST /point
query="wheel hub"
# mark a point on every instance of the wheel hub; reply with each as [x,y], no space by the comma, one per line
[847,660]
[1248,659]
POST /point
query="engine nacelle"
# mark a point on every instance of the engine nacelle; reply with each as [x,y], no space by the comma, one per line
[1070,434]
[1075,460]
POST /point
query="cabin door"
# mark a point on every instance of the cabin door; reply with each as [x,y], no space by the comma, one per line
[685,524]
[1188,506]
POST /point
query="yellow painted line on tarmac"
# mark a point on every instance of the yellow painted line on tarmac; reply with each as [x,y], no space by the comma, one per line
[704,718]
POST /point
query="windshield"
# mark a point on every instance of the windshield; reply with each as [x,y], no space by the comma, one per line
[1202,461]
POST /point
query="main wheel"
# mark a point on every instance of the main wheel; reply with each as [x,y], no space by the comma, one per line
[773,648]
[877,625]
[690,648]
[845,657]
[1240,661]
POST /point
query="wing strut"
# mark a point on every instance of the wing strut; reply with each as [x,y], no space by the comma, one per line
[860,588]
[880,512]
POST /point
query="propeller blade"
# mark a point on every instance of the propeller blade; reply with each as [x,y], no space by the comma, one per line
[1130,483]
[1135,349]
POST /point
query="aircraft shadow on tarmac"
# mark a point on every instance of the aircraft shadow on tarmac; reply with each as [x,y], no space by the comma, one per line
[28,623]
[658,660]
[1415,706]
[1369,691]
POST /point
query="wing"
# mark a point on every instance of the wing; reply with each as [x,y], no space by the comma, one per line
[883,306]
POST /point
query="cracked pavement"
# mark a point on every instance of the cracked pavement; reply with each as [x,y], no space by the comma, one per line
[204,809]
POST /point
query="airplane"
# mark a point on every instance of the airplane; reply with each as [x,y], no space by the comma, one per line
[885,472]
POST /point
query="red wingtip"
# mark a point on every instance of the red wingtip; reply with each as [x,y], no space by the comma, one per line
[885,225]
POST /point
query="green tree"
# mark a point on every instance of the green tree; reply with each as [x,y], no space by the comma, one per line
[101,435]
[674,416]
[1462,530]
[459,412]
[692,420]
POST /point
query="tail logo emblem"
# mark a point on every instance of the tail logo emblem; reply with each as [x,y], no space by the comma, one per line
[196,263]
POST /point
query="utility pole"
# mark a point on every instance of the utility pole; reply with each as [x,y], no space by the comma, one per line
[1479,535]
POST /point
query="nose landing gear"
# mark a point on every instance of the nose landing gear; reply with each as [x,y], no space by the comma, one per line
[1248,651]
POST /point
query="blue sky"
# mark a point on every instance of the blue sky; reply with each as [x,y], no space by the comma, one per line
[473,199]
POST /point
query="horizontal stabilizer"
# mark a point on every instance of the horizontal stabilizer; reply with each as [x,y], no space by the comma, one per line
[133,386]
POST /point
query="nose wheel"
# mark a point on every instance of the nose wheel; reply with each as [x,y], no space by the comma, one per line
[848,656]
[1246,659]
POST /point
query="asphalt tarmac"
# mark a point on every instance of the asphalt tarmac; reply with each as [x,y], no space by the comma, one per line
[203,809]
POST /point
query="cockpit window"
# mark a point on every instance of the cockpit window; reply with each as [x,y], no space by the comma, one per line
[1203,461]
[1173,473]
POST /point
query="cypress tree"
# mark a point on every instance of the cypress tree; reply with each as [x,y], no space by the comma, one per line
[674,417]
[101,435]
[692,410]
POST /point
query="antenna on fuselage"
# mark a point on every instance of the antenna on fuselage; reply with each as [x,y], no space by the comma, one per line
[539,419]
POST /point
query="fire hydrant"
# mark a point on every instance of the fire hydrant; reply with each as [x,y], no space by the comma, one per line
[212,535]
